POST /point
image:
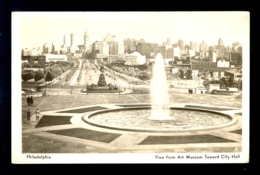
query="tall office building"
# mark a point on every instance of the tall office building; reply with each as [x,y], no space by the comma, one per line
[220,42]
[163,51]
[181,44]
[228,49]
[73,47]
[194,46]
[170,53]
[109,38]
[144,49]
[169,41]
[237,47]
[39,51]
[86,37]
[121,49]
[113,48]
[100,47]
[203,46]
[46,49]
[129,45]
[67,40]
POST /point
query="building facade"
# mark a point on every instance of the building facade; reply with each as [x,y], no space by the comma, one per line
[129,45]
[181,44]
[194,46]
[220,42]
[86,38]
[144,49]
[170,53]
[203,46]
[100,48]
[135,58]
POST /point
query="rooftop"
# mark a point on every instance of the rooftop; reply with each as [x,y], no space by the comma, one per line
[232,71]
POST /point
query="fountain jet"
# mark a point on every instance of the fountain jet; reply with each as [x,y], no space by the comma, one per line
[159,91]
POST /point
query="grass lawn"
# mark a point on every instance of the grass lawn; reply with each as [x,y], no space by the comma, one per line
[48,120]
[158,140]
[87,134]
[209,108]
[83,110]
[239,131]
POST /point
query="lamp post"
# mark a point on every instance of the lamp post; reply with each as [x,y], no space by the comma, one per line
[198,80]
[87,88]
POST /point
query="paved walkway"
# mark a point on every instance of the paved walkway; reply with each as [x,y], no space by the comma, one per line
[66,138]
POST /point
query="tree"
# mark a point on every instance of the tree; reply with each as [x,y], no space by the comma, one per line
[206,82]
[24,64]
[49,77]
[181,73]
[39,75]
[238,84]
[223,83]
[36,65]
[188,74]
[46,70]
[31,75]
[143,76]
[25,77]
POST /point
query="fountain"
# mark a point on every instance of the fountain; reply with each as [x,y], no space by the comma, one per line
[162,117]
[159,91]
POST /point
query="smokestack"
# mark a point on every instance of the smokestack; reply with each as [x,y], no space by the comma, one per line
[64,40]
[72,39]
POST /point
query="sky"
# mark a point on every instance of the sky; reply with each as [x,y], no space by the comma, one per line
[38,28]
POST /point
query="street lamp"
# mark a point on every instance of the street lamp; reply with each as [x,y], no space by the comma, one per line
[87,88]
[198,79]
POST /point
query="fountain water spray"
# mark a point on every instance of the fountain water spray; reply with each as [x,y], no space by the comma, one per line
[159,91]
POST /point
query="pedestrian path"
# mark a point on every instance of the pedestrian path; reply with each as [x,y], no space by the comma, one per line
[75,77]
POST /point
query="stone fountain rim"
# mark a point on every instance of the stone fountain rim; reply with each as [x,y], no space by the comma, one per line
[87,116]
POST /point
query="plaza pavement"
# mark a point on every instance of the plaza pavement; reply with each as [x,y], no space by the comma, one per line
[42,140]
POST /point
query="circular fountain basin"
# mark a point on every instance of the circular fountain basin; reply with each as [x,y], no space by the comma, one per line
[137,119]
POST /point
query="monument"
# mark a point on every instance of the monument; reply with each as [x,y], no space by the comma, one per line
[102,82]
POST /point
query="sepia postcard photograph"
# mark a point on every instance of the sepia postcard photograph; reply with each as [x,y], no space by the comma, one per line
[130,87]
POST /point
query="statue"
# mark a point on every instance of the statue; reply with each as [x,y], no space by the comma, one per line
[102,68]
[102,81]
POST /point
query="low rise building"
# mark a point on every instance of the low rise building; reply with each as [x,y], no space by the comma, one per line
[233,74]
[51,57]
[135,58]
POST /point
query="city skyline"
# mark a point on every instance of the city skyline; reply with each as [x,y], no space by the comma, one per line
[153,27]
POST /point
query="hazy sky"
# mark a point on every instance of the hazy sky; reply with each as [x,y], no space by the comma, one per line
[38,28]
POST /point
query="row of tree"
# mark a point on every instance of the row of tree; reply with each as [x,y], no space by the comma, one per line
[49,72]
[224,83]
